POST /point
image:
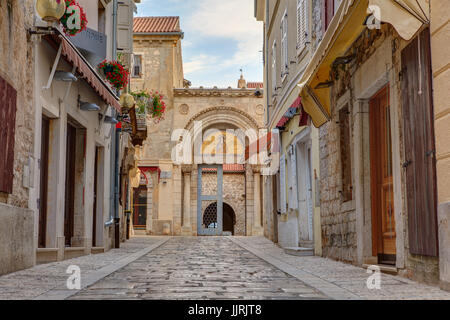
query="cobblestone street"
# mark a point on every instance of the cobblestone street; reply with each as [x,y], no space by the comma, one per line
[206,268]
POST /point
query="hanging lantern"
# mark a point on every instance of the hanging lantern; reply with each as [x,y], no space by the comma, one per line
[50,10]
[127,102]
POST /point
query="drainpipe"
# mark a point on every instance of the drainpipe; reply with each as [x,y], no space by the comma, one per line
[114,30]
[116,189]
[266,66]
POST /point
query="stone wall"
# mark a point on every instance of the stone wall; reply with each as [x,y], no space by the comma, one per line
[337,220]
[440,36]
[17,68]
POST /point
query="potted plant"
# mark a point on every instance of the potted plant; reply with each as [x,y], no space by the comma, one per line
[69,19]
[115,73]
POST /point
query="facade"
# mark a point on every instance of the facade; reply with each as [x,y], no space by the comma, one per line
[439,29]
[292,208]
[16,137]
[59,194]
[179,197]
[368,86]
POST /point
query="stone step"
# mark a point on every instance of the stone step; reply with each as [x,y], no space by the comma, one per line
[384,268]
[299,251]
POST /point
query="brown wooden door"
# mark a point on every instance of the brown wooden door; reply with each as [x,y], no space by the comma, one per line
[94,216]
[420,165]
[383,216]
[45,135]
[140,207]
[69,212]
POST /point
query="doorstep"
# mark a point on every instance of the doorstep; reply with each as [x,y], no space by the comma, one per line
[97,250]
[299,251]
[74,252]
[383,268]
[46,255]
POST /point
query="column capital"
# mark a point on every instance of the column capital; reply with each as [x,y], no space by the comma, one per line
[186,169]
[256,169]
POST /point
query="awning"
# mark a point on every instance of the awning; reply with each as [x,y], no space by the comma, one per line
[406,16]
[85,70]
[345,27]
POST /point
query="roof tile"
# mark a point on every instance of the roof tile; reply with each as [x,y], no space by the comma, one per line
[156,24]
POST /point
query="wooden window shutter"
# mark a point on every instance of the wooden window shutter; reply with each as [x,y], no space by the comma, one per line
[328,12]
[283,184]
[274,67]
[302,24]
[420,165]
[284,44]
[125,11]
[8,100]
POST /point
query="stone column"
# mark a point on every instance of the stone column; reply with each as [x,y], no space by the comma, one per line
[149,224]
[257,225]
[186,172]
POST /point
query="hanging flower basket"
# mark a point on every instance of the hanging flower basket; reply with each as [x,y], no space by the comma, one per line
[115,73]
[150,104]
[157,107]
[69,19]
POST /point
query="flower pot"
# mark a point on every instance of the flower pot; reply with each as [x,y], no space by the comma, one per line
[51,10]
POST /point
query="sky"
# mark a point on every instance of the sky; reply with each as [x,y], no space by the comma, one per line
[220,38]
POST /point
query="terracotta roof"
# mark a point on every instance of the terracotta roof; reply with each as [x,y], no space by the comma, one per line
[156,24]
[254,85]
[227,168]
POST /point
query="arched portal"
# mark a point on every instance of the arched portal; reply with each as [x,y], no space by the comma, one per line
[229,217]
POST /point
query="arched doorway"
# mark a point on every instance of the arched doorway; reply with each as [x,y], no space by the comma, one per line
[229,217]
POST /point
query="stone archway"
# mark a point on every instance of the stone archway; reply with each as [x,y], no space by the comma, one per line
[229,217]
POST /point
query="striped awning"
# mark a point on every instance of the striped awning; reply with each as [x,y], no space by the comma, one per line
[290,113]
[85,70]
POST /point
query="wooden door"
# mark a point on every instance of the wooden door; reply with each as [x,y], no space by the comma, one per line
[69,212]
[140,207]
[94,215]
[383,215]
[45,135]
[275,199]
[420,164]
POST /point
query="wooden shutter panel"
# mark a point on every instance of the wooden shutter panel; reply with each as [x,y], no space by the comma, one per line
[125,10]
[283,184]
[302,24]
[419,147]
[8,99]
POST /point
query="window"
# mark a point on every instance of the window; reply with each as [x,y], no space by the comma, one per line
[8,99]
[274,67]
[346,156]
[101,18]
[327,13]
[284,45]
[302,24]
[137,66]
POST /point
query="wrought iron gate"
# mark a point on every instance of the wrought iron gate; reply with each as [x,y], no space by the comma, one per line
[210,206]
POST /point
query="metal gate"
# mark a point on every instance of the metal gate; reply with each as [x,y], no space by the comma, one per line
[210,205]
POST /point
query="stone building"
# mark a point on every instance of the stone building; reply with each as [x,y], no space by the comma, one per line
[368,85]
[440,32]
[16,135]
[168,202]
[291,207]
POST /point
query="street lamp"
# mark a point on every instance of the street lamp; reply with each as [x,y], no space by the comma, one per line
[65,76]
[87,106]
[51,10]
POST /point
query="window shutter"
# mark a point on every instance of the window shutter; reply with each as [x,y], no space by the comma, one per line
[293,199]
[8,99]
[137,66]
[125,10]
[283,184]
[274,67]
[302,24]
[284,45]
